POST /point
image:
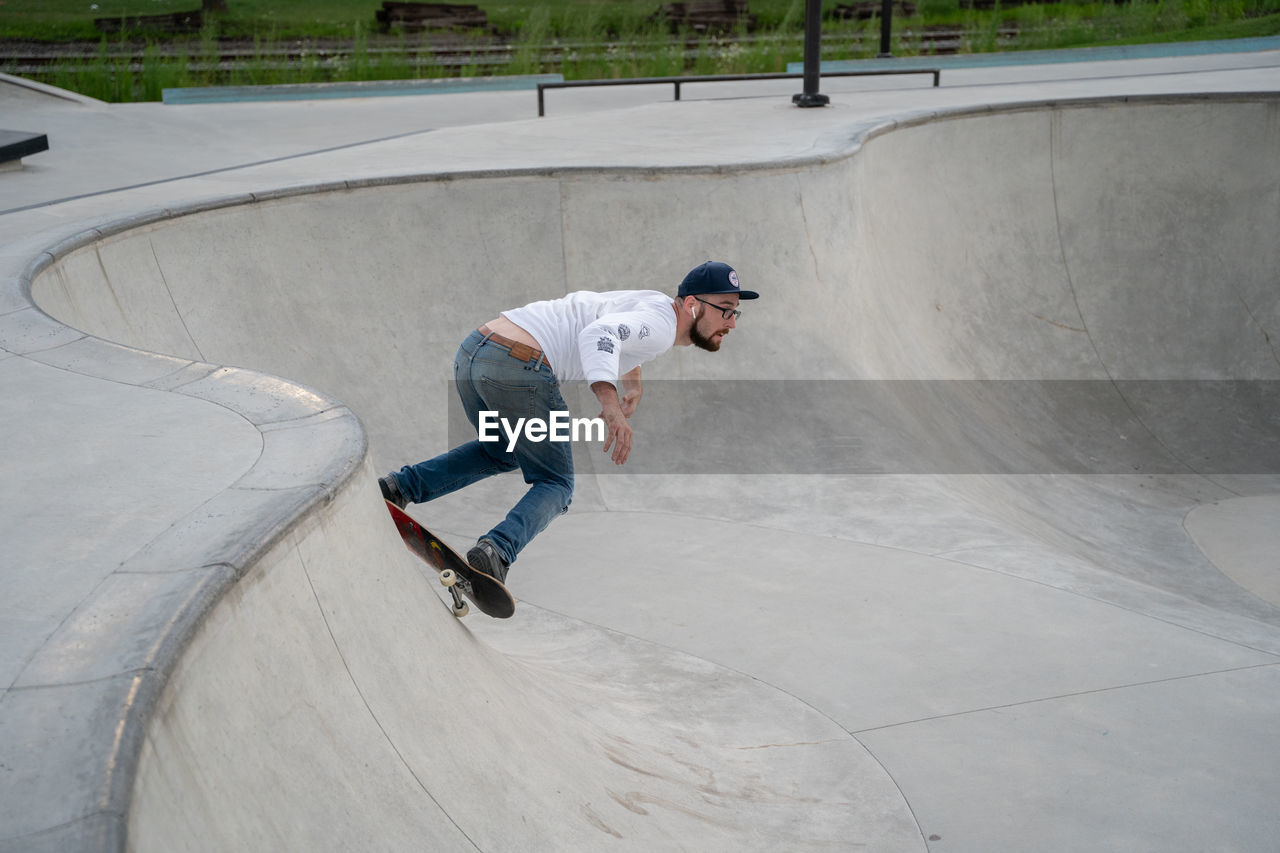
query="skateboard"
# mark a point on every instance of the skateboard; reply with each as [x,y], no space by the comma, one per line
[486,592]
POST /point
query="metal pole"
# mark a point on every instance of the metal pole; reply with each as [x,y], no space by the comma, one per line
[886,28]
[812,57]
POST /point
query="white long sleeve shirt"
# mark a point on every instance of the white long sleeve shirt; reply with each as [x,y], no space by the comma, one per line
[599,336]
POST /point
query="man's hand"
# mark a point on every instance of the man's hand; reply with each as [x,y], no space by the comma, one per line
[615,420]
[629,402]
[630,392]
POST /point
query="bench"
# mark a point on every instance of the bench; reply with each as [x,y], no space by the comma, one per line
[172,22]
[16,144]
[868,9]
[704,16]
[431,16]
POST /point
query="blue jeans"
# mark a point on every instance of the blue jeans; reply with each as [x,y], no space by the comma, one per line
[489,379]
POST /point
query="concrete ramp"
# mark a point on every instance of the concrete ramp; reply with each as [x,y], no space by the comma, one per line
[333,702]
[718,656]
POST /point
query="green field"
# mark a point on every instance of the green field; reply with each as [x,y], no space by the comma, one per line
[287,41]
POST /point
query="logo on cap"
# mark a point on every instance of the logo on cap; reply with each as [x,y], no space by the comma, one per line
[733,277]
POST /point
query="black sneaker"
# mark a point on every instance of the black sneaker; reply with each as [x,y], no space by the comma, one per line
[484,557]
[391,491]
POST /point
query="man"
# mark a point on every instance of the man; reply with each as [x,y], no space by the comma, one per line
[513,366]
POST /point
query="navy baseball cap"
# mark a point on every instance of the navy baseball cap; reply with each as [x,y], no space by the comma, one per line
[713,277]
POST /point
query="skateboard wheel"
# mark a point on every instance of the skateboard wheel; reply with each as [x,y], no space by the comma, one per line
[461,610]
[448,577]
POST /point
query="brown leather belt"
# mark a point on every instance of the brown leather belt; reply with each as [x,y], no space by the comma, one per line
[517,350]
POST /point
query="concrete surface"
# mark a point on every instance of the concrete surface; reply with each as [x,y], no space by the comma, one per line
[1058,632]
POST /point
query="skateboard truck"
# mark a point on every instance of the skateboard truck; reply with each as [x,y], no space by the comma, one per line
[450,580]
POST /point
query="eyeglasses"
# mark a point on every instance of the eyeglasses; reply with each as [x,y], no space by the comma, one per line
[724,312]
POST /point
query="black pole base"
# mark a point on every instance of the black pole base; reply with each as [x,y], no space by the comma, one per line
[810,99]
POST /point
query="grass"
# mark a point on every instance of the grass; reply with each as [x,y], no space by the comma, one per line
[581,39]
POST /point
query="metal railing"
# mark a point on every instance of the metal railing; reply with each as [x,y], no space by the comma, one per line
[677,82]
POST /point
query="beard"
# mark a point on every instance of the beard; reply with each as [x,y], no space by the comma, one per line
[702,341]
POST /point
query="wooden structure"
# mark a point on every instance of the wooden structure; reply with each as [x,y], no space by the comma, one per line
[172,22]
[704,16]
[417,17]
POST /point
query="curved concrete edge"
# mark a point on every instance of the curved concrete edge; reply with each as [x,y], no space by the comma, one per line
[74,720]
[920,117]
[106,715]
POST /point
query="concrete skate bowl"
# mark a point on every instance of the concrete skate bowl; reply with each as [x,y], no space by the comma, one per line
[1061,250]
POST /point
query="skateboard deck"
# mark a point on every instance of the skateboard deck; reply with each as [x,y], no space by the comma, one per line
[486,592]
